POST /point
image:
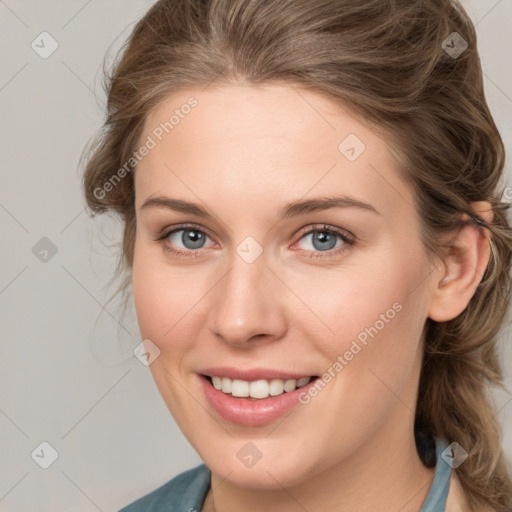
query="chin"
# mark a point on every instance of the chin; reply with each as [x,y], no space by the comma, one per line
[274,465]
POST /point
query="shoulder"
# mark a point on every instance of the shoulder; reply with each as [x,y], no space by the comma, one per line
[185,491]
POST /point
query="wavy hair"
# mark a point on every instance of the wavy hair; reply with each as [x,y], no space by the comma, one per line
[388,62]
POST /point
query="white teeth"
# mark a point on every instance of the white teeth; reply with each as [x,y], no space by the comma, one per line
[276,387]
[290,385]
[226,385]
[302,382]
[240,388]
[259,388]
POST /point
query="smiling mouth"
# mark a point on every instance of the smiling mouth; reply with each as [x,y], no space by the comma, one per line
[258,389]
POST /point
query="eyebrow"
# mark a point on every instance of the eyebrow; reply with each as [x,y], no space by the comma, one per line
[291,209]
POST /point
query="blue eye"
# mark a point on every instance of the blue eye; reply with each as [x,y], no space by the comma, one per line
[190,238]
[324,241]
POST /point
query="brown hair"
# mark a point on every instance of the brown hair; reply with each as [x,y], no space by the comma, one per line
[388,62]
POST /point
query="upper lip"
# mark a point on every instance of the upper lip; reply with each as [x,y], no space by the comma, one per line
[252,374]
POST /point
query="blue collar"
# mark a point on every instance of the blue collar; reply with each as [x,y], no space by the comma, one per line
[438,492]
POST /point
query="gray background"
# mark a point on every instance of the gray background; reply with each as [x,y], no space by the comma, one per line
[67,371]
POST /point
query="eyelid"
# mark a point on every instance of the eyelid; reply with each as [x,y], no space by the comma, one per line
[167,231]
[325,227]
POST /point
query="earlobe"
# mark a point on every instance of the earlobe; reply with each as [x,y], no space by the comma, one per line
[463,266]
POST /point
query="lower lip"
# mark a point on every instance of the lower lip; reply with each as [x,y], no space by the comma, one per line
[251,412]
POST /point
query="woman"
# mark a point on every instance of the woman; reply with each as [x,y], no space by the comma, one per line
[317,250]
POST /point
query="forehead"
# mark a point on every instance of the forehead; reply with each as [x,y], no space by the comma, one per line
[241,138]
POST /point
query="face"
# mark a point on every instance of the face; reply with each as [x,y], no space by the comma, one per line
[260,282]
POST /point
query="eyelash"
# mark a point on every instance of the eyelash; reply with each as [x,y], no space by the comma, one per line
[348,239]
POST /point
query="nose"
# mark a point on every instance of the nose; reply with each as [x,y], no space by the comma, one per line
[248,307]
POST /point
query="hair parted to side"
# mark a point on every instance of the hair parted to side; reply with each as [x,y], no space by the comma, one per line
[384,61]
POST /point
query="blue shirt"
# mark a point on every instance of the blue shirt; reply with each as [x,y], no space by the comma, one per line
[187,491]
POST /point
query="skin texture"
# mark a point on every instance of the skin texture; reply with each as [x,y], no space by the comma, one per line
[243,152]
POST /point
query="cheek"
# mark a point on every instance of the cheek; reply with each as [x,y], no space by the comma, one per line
[164,299]
[372,358]
[373,312]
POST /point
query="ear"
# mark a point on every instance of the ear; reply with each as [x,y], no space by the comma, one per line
[463,267]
